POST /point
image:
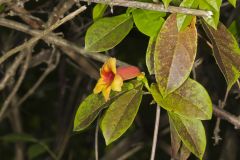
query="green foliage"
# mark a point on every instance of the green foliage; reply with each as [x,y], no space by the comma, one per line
[191,132]
[88,111]
[214,6]
[233,2]
[148,22]
[150,55]
[106,33]
[175,140]
[90,108]
[190,100]
[98,11]
[17,137]
[35,150]
[184,20]
[120,115]
[174,55]
[234,28]
[166,2]
[226,52]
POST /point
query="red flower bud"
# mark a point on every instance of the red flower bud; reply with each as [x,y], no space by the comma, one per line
[128,72]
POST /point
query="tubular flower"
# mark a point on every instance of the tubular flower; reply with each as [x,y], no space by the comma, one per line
[112,78]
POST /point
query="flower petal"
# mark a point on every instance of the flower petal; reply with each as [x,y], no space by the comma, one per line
[106,92]
[117,83]
[99,86]
[112,64]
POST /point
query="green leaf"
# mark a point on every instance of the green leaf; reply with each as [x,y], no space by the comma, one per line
[18,137]
[88,111]
[233,2]
[106,33]
[234,28]
[150,55]
[148,22]
[214,19]
[98,11]
[120,115]
[184,153]
[184,20]
[166,3]
[191,132]
[215,4]
[90,108]
[35,150]
[175,141]
[174,55]
[190,100]
[226,52]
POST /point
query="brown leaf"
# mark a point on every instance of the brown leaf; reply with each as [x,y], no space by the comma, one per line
[174,54]
[226,52]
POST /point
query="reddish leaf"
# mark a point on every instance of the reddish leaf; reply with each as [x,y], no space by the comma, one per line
[174,55]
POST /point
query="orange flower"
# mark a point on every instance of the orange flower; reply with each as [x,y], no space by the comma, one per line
[112,78]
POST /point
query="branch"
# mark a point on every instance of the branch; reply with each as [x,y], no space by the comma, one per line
[227,116]
[17,86]
[50,38]
[152,6]
[155,135]
[40,36]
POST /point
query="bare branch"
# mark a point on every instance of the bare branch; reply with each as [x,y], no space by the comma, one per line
[43,33]
[56,40]
[153,6]
[17,86]
[227,116]
[155,135]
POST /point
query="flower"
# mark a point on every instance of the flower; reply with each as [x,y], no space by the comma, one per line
[111,77]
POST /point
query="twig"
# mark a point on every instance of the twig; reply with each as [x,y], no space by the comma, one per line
[227,116]
[43,33]
[59,11]
[216,131]
[16,87]
[131,152]
[11,71]
[56,40]
[96,138]
[51,66]
[152,6]
[155,135]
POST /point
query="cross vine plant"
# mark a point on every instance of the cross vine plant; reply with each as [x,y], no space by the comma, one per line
[170,57]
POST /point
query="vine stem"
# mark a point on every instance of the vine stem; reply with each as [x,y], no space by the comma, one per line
[96,137]
[153,6]
[155,135]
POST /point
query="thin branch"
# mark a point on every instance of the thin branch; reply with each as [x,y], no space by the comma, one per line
[131,152]
[152,6]
[216,131]
[155,135]
[56,41]
[227,116]
[11,71]
[17,86]
[96,138]
[40,36]
[51,66]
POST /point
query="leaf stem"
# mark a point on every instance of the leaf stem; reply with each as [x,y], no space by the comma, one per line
[155,135]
